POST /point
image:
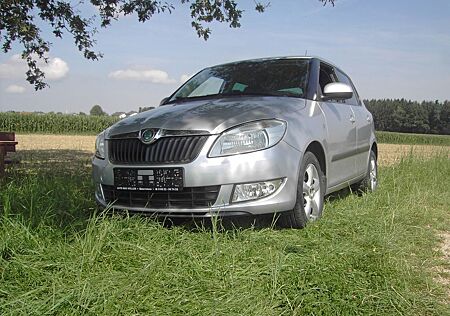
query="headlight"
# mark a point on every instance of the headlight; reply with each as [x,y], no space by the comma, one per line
[100,146]
[249,137]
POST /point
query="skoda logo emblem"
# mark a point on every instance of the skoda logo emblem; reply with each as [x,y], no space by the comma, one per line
[148,136]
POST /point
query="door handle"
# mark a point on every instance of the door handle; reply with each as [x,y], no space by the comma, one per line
[352,119]
[369,119]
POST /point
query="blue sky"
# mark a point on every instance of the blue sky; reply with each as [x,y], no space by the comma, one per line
[391,49]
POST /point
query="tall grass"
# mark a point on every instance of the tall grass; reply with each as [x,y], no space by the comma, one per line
[370,254]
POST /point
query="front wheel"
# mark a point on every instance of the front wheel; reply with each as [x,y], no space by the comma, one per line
[310,193]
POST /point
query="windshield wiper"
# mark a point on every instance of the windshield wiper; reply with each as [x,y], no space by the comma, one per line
[242,93]
[236,93]
[183,99]
[262,93]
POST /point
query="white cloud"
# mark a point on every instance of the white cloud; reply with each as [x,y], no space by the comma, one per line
[152,75]
[184,78]
[55,69]
[15,89]
[15,67]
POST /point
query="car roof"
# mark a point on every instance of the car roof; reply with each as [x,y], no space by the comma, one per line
[320,59]
[278,58]
[263,59]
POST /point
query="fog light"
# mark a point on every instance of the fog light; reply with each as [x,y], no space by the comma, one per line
[253,191]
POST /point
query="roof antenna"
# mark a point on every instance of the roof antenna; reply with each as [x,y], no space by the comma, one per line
[306,52]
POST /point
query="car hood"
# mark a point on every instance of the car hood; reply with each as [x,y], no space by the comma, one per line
[209,116]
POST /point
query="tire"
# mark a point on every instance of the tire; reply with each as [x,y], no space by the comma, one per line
[310,194]
[370,182]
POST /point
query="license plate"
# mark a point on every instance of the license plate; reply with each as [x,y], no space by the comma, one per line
[151,179]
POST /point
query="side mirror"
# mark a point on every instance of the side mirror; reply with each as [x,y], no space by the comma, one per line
[163,101]
[337,91]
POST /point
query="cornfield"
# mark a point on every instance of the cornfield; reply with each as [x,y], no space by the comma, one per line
[89,125]
[54,123]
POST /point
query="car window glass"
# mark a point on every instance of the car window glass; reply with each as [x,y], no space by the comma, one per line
[280,77]
[293,90]
[326,75]
[344,79]
[211,86]
[239,87]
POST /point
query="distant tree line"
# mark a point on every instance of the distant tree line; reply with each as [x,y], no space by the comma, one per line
[392,115]
[400,115]
[97,110]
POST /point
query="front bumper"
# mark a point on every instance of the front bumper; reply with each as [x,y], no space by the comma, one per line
[280,161]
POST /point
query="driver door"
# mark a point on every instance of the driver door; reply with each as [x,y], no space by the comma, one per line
[341,133]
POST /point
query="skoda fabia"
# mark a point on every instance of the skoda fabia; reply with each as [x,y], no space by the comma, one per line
[252,137]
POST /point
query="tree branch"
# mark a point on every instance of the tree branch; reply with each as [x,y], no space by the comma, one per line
[17,23]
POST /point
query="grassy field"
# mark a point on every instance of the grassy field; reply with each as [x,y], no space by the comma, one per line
[413,139]
[378,254]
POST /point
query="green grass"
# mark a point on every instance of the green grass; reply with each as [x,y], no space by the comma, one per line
[413,139]
[371,254]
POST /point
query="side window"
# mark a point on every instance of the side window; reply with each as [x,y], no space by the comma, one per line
[326,75]
[212,85]
[344,79]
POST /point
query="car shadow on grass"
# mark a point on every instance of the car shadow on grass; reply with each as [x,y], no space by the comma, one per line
[214,221]
[221,223]
[342,194]
[54,186]
[51,187]
[56,161]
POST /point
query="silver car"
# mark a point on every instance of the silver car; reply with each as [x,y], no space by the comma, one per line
[246,138]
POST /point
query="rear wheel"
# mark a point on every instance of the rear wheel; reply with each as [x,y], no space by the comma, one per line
[370,182]
[310,193]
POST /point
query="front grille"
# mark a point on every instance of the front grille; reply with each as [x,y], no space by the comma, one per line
[180,149]
[193,197]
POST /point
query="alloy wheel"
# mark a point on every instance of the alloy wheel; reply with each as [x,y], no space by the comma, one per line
[373,174]
[311,192]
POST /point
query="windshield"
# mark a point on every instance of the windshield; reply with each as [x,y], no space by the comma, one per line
[282,77]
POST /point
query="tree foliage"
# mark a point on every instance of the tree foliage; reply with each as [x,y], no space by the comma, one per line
[405,116]
[19,20]
[97,110]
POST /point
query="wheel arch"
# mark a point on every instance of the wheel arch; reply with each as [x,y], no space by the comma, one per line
[374,148]
[317,149]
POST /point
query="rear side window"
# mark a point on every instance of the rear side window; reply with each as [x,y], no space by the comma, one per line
[344,79]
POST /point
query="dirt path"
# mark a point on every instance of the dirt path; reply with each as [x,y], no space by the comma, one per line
[65,142]
[443,272]
[389,154]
